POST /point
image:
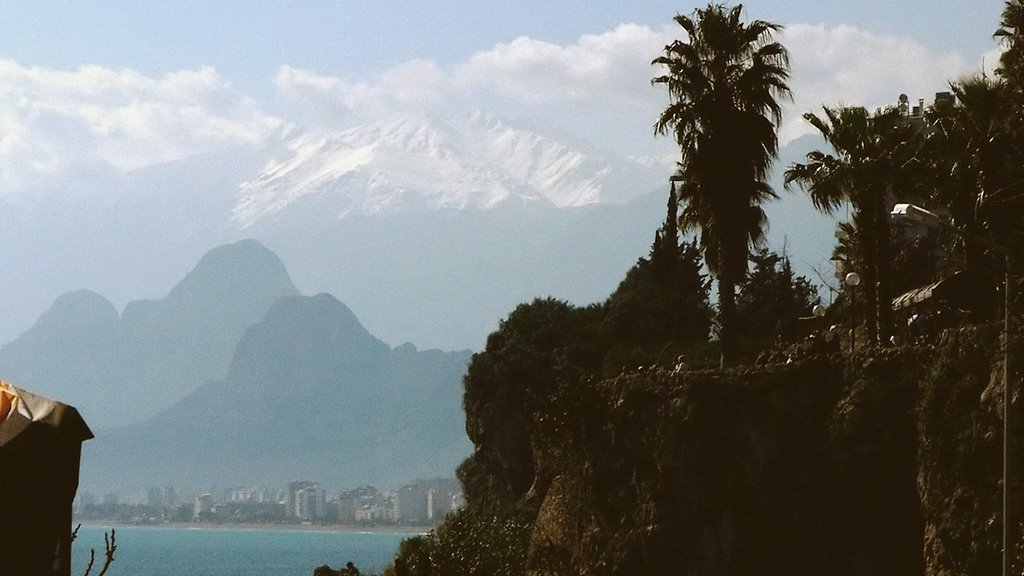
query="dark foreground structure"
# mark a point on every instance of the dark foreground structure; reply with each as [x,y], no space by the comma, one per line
[40,450]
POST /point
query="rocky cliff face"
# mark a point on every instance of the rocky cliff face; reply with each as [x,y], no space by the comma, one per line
[875,464]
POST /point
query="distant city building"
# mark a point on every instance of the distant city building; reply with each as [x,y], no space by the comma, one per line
[458,501]
[412,504]
[203,507]
[422,503]
[171,498]
[916,114]
[365,505]
[249,495]
[310,504]
[83,500]
[439,504]
[346,506]
[163,504]
[427,502]
[155,498]
[306,501]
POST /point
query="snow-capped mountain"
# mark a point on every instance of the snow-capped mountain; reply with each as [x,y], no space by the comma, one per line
[431,230]
[419,162]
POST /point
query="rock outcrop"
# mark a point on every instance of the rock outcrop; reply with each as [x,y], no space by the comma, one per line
[881,463]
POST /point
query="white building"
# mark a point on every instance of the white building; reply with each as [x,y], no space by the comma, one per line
[306,501]
[203,507]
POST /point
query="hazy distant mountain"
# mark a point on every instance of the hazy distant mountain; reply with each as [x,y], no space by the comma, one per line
[122,368]
[444,279]
[434,230]
[310,394]
[430,229]
[418,224]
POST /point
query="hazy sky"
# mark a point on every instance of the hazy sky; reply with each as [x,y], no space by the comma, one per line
[128,83]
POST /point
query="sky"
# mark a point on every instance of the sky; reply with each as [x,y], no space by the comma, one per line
[123,84]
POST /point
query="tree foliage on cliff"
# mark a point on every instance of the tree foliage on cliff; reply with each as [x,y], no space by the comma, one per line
[725,82]
[663,297]
[535,350]
[522,393]
[469,543]
[772,299]
[530,397]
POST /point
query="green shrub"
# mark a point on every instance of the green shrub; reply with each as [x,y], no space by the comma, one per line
[470,544]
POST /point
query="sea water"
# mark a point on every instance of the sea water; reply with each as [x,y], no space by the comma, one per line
[186,551]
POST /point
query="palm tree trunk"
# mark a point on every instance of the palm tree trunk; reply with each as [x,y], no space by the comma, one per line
[867,230]
[964,215]
[870,289]
[727,337]
[883,260]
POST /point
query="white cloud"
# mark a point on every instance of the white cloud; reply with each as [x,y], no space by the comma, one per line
[54,120]
[613,67]
[990,60]
[606,78]
[845,66]
[599,85]
[411,85]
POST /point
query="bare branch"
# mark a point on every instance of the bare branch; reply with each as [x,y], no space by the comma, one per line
[92,559]
[111,545]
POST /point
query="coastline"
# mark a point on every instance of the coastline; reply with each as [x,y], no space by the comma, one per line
[282,527]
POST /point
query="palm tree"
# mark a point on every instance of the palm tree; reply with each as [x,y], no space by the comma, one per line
[967,150]
[1005,205]
[1011,34]
[724,84]
[872,155]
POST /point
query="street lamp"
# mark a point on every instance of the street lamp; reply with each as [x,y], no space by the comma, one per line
[917,215]
[852,280]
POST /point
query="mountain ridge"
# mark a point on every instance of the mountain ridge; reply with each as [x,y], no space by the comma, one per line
[478,162]
[118,368]
[466,210]
[310,394]
[236,378]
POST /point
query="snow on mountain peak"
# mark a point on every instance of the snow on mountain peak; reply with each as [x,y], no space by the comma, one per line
[478,162]
[312,163]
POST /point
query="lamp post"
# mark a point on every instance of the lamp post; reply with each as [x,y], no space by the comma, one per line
[818,313]
[852,280]
[839,264]
[917,215]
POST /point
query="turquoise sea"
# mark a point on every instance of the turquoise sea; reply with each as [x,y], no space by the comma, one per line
[185,551]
